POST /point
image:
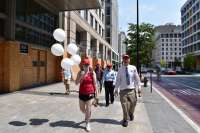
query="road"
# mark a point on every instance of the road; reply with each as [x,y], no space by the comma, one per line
[184,92]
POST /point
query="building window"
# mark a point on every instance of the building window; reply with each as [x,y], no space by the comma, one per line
[86,15]
[96,26]
[108,11]
[163,40]
[91,21]
[108,20]
[108,40]
[198,46]
[103,16]
[108,32]
[100,29]
[45,21]
[25,34]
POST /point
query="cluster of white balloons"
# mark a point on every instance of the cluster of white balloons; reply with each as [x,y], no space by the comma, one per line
[58,50]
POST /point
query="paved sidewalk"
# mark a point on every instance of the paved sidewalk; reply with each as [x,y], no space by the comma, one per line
[38,111]
[47,110]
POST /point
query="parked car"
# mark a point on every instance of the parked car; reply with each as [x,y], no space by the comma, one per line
[143,70]
[170,72]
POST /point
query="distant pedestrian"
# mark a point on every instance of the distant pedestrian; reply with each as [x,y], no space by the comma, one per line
[87,90]
[99,74]
[67,80]
[127,81]
[158,72]
[109,80]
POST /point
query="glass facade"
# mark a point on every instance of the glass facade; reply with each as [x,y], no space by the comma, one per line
[2,23]
[3,6]
[36,23]
[2,20]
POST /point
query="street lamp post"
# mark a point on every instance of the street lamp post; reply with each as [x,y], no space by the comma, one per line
[137,41]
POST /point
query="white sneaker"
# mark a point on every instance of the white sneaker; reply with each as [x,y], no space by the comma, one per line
[88,128]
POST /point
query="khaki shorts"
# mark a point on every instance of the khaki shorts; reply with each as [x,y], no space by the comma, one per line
[67,81]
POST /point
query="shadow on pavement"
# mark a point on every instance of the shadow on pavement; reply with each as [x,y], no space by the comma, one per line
[17,123]
[107,121]
[55,94]
[71,124]
[37,122]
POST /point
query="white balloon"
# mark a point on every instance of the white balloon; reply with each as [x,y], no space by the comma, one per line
[72,48]
[59,35]
[57,49]
[76,59]
[66,63]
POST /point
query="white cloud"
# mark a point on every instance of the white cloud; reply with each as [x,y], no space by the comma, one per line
[148,8]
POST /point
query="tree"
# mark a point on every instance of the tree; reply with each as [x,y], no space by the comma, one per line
[189,62]
[177,62]
[163,63]
[146,43]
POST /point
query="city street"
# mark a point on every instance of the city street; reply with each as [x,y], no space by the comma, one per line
[184,92]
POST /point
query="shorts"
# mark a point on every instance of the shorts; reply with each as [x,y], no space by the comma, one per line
[86,98]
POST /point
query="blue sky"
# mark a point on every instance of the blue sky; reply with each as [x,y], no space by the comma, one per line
[156,12]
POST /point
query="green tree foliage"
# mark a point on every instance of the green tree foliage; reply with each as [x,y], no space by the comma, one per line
[190,62]
[163,63]
[146,43]
[177,62]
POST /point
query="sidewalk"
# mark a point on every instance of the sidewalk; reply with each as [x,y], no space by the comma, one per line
[47,110]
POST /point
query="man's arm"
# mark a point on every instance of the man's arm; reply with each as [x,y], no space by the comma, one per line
[118,81]
[79,77]
[137,81]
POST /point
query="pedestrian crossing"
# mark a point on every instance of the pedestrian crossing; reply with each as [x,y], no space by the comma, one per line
[187,92]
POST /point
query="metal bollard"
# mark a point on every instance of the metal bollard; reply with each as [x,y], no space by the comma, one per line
[145,81]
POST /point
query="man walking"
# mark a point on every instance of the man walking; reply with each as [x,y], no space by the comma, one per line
[99,74]
[127,81]
[108,78]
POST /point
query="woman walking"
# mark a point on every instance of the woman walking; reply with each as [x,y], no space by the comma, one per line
[87,90]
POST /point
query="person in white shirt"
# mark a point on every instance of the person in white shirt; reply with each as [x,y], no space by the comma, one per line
[108,80]
[127,82]
[67,78]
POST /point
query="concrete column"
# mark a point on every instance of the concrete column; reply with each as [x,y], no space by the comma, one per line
[10,23]
[97,49]
[71,29]
[104,53]
[65,27]
[85,43]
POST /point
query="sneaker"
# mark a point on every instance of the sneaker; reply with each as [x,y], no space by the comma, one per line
[125,123]
[88,128]
[131,117]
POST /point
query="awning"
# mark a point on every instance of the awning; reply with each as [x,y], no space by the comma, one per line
[69,5]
